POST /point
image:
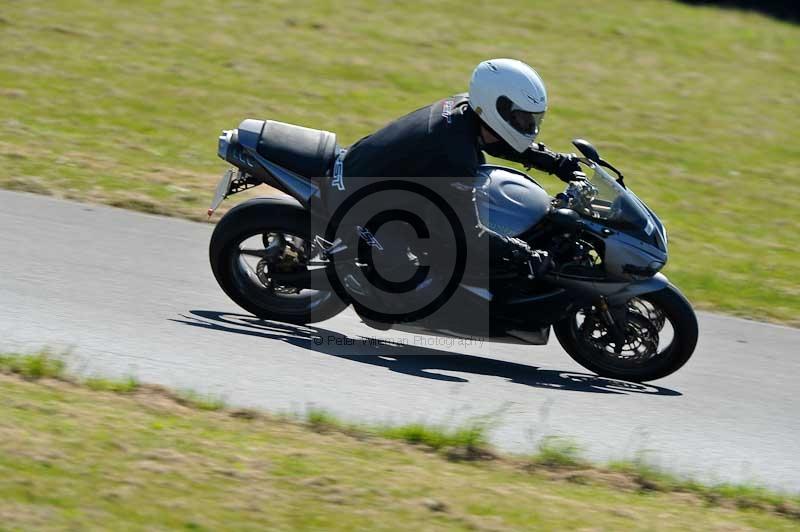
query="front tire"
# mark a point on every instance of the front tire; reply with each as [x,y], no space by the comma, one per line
[582,338]
[255,221]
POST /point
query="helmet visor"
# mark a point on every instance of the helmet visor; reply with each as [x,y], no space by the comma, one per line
[526,122]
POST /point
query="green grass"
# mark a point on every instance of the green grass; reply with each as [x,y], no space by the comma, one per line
[32,366]
[470,437]
[77,456]
[651,477]
[121,102]
[468,441]
[102,384]
[559,452]
[321,420]
[201,401]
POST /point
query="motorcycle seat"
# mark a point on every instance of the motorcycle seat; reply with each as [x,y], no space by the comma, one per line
[308,152]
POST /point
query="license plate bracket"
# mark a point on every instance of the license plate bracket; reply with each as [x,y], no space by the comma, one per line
[223,189]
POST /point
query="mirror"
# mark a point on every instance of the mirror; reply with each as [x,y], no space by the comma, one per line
[586,148]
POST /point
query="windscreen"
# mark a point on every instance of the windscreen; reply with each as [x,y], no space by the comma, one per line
[607,201]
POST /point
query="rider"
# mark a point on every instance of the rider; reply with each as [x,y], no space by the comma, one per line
[501,115]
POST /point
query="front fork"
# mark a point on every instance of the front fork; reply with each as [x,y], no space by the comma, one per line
[616,318]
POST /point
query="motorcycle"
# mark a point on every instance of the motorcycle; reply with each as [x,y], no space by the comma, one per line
[590,266]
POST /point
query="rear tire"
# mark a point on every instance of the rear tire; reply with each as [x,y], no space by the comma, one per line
[676,310]
[260,216]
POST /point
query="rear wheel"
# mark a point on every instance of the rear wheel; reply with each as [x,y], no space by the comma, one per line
[660,336]
[259,238]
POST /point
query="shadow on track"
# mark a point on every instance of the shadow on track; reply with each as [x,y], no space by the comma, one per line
[408,359]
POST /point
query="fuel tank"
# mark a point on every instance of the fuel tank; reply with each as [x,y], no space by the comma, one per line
[508,202]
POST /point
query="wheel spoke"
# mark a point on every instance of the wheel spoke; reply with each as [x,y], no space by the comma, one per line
[260,253]
[641,342]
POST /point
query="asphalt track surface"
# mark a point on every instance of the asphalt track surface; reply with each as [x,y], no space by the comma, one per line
[131,293]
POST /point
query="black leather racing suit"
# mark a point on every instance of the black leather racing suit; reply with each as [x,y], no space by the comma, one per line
[441,140]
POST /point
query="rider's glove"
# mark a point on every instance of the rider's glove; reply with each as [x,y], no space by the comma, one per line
[563,165]
[566,167]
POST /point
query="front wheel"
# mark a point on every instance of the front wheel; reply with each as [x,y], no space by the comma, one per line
[660,336]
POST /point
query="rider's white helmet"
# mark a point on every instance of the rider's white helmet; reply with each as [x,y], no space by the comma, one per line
[510,98]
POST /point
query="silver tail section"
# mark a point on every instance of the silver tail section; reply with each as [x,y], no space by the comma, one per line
[241,149]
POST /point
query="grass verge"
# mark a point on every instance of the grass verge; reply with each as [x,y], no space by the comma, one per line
[75,454]
[120,102]
[101,384]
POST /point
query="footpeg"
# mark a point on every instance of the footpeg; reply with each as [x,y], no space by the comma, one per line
[328,249]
